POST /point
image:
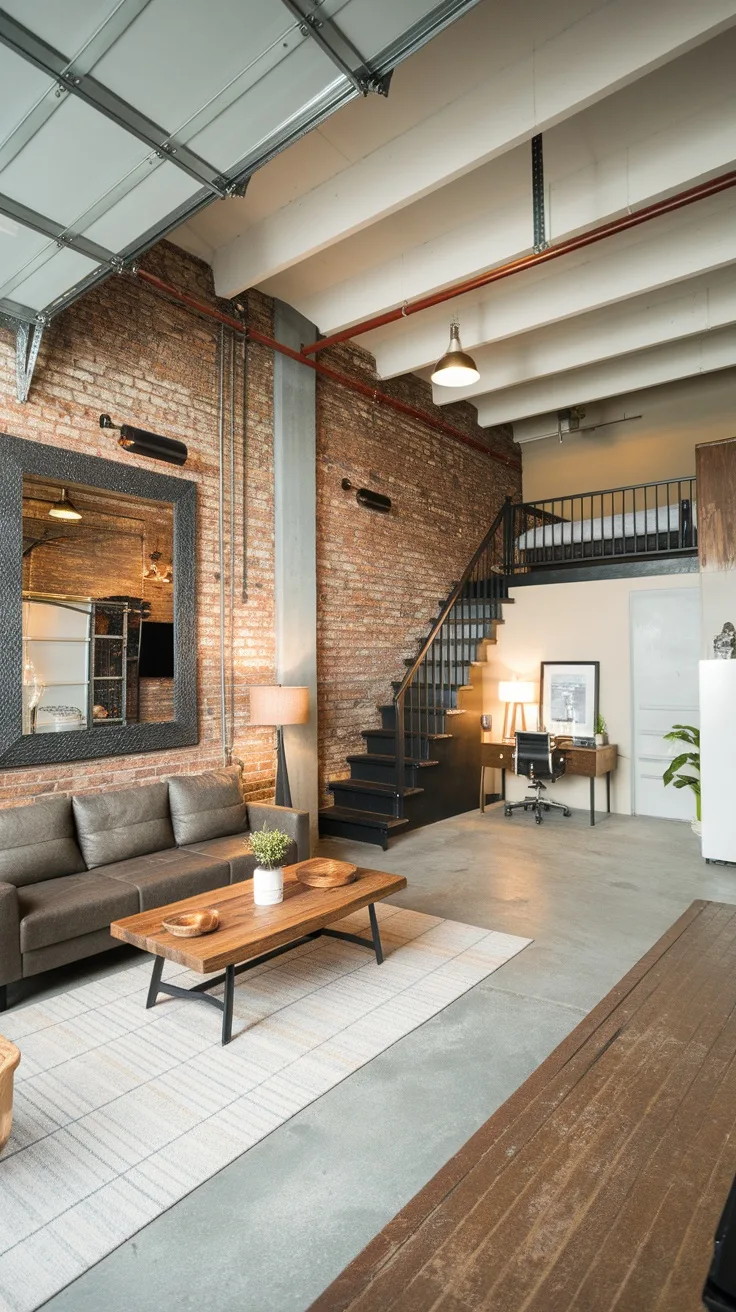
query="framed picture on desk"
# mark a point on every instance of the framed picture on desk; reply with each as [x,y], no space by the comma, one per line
[568,697]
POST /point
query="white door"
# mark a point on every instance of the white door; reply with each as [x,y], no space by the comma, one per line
[665,649]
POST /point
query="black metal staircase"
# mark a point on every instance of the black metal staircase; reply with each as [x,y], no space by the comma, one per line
[423,763]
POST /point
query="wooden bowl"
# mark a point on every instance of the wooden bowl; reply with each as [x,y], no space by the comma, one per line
[322,872]
[190,924]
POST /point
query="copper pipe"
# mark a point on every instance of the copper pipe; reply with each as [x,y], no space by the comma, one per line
[380,398]
[700,192]
[344,380]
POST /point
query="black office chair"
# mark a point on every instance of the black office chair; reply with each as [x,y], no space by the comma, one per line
[535,756]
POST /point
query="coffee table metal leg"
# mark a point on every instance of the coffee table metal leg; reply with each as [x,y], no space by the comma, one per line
[375,933]
[227,1005]
[153,987]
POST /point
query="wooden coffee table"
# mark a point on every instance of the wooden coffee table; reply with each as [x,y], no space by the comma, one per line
[249,935]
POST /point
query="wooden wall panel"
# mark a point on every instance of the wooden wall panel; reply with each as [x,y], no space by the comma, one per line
[715,464]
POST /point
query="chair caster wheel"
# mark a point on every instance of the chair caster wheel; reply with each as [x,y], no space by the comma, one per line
[538,819]
[507,810]
[567,813]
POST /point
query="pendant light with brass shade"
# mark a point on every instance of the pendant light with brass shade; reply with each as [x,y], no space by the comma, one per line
[456,368]
[64,508]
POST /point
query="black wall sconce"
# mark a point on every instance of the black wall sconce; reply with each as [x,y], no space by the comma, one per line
[371,500]
[142,443]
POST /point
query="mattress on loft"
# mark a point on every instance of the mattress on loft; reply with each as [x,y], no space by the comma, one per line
[606,528]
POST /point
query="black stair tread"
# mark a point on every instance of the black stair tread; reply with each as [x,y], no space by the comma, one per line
[441,710]
[370,786]
[370,819]
[408,733]
[380,759]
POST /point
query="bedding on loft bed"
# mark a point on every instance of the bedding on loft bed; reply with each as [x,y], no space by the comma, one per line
[661,528]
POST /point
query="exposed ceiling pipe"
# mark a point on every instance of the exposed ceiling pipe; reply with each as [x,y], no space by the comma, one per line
[325,371]
[632,220]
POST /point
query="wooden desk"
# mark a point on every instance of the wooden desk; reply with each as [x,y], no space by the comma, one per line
[599,1184]
[589,762]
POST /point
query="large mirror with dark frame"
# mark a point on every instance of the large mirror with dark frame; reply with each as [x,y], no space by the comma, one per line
[97,607]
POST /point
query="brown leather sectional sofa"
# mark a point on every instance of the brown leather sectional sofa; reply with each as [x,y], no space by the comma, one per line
[69,866]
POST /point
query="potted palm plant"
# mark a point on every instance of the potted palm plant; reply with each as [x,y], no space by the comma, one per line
[679,771]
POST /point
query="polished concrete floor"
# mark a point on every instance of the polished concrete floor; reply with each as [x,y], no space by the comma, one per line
[269,1232]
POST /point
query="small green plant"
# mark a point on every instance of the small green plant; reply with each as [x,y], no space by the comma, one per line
[600,724]
[269,847]
[685,733]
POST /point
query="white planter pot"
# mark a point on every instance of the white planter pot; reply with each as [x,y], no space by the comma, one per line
[268,886]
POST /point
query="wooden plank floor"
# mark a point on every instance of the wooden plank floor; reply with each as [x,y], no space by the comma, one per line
[599,1183]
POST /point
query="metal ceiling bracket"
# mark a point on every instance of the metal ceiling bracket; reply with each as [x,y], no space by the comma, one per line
[56,66]
[327,35]
[540,233]
[27,343]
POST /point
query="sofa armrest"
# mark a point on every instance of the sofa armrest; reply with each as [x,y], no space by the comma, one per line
[293,823]
[11,967]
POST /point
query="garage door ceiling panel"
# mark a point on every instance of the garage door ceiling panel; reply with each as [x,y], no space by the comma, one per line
[267,108]
[74,158]
[18,245]
[63,270]
[22,87]
[67,25]
[122,118]
[163,191]
[206,46]
[371,28]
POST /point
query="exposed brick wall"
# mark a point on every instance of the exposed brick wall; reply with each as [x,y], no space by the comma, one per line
[127,351]
[124,350]
[380,577]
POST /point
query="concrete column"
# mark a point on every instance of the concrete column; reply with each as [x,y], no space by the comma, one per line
[295,517]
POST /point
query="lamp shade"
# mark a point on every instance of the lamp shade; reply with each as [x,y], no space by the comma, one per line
[64,508]
[519,691]
[456,368]
[277,704]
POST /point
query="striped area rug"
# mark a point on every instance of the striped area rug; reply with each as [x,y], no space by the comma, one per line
[120,1112]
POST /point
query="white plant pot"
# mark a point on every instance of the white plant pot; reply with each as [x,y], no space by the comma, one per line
[268,886]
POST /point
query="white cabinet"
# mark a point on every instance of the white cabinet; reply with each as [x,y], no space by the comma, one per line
[718,759]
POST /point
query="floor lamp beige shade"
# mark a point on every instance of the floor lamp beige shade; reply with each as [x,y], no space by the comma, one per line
[516,693]
[279,704]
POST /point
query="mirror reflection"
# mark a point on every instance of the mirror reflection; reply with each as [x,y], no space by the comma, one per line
[98,608]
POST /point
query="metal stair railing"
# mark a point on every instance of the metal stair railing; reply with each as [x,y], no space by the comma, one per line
[427,688]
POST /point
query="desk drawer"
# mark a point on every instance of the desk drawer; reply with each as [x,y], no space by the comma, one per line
[497,756]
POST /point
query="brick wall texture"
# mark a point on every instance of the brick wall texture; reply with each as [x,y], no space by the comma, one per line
[150,362]
[380,578]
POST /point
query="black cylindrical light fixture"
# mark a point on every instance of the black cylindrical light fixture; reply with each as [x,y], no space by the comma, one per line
[142,443]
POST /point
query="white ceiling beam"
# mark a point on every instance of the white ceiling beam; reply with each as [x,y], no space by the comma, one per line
[660,135]
[542,68]
[627,373]
[688,244]
[697,306]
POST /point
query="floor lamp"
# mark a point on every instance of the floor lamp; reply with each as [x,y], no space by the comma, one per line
[515,693]
[277,705]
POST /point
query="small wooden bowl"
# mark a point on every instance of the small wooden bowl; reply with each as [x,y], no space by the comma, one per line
[190,924]
[322,872]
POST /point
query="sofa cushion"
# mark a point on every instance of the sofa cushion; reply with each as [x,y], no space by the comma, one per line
[242,863]
[123,823]
[37,842]
[59,909]
[169,876]
[207,805]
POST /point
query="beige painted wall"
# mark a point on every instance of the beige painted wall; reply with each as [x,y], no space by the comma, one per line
[574,621]
[660,445]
